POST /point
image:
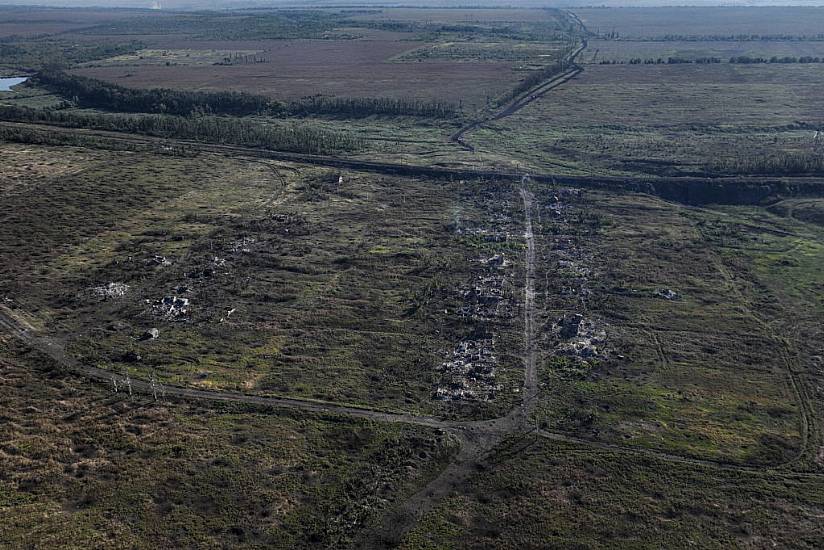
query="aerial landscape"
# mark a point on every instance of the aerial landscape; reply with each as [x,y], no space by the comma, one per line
[413,275]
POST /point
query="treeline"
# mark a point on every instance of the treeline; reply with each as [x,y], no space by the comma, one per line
[818,37]
[238,25]
[292,137]
[745,59]
[742,59]
[97,94]
[662,61]
[89,92]
[41,136]
[354,107]
[789,163]
[55,52]
[549,30]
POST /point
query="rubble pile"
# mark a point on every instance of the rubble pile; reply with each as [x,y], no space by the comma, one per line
[158,260]
[667,294]
[243,245]
[484,300]
[579,337]
[572,261]
[110,290]
[469,375]
[171,308]
[484,234]
[576,336]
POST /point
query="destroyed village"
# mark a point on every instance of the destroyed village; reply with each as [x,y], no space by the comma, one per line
[332,274]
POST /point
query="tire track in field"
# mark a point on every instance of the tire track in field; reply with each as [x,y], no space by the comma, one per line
[477,440]
[524,99]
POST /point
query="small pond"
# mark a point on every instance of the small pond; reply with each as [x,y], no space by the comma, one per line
[7,83]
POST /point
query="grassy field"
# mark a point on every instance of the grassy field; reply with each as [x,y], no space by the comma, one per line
[701,22]
[82,467]
[661,119]
[18,21]
[351,359]
[354,54]
[704,371]
[569,497]
[348,68]
[311,296]
[625,50]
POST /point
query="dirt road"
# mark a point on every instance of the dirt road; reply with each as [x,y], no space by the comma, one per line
[524,99]
[476,440]
[686,189]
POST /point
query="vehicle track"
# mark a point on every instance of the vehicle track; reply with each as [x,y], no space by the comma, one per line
[521,101]
[476,439]
[669,187]
[56,351]
[685,189]
[530,390]
[524,99]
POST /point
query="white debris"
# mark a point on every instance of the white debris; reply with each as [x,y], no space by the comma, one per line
[667,294]
[470,372]
[111,290]
[159,260]
[171,307]
[151,334]
[243,245]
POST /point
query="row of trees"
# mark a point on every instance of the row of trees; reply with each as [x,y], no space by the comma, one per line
[745,59]
[787,163]
[667,61]
[93,93]
[293,137]
[89,92]
[742,59]
[57,52]
[717,37]
[354,107]
[39,136]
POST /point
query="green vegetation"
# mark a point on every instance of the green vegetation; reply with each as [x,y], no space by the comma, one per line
[536,77]
[228,26]
[32,55]
[81,465]
[320,275]
[716,122]
[565,495]
[296,137]
[789,163]
[88,92]
[448,346]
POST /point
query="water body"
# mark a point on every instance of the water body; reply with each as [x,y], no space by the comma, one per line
[7,83]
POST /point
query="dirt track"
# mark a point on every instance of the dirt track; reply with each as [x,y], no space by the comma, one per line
[476,439]
[524,99]
[686,189]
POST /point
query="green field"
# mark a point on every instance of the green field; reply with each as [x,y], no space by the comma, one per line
[371,277]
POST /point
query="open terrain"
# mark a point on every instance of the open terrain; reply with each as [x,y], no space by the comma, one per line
[663,23]
[664,119]
[394,53]
[561,289]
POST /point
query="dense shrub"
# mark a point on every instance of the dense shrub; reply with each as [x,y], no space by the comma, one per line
[92,93]
[295,137]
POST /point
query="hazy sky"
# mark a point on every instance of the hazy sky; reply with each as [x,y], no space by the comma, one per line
[223,4]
